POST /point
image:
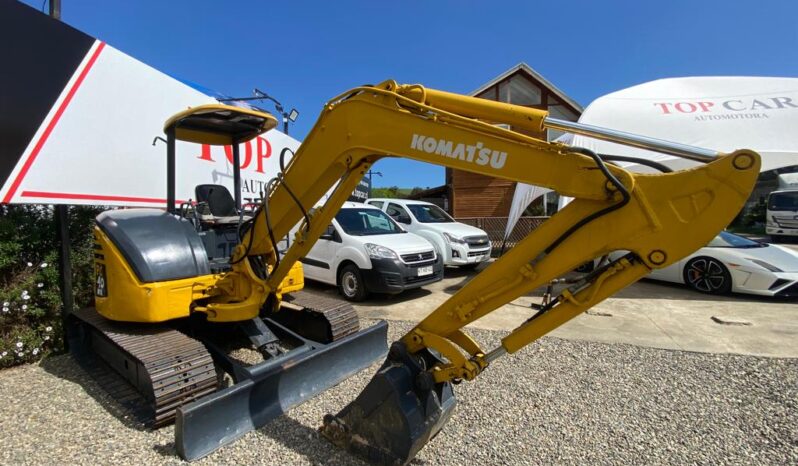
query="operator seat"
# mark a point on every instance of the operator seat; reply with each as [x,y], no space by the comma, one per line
[220,206]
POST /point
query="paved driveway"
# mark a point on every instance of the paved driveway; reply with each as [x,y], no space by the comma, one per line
[648,313]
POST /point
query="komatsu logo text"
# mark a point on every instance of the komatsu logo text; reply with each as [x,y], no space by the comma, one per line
[477,153]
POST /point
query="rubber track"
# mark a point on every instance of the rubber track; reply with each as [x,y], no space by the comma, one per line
[171,368]
[340,314]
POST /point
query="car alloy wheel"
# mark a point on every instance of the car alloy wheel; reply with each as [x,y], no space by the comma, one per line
[707,275]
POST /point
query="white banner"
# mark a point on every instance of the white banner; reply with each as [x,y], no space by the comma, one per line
[97,145]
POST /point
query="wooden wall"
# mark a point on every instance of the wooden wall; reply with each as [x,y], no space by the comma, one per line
[479,195]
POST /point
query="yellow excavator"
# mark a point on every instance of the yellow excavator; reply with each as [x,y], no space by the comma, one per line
[657,218]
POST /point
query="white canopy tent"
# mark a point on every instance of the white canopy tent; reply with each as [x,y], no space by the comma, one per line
[719,113]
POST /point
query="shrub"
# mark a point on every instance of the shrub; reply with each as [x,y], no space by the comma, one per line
[30,299]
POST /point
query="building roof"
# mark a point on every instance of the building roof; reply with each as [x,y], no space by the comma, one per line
[524,68]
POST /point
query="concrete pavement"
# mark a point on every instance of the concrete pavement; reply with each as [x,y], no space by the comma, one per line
[648,313]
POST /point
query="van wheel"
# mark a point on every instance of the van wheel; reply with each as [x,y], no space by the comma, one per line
[351,284]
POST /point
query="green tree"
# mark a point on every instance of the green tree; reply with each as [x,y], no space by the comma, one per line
[392,192]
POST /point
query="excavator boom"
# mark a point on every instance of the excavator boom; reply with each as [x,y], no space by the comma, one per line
[657,218]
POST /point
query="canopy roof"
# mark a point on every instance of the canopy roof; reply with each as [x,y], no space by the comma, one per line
[219,124]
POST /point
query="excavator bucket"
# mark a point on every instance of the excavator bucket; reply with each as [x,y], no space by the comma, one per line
[267,390]
[399,411]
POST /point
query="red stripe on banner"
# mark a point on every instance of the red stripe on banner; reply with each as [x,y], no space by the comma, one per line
[51,125]
[95,197]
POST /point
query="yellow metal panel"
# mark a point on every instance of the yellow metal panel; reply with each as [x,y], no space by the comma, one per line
[130,300]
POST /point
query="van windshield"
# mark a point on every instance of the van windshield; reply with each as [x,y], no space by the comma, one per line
[429,213]
[366,222]
[783,201]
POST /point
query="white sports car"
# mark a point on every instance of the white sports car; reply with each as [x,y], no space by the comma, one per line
[733,263]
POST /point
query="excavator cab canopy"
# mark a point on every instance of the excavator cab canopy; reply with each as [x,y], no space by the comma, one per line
[219,124]
[214,124]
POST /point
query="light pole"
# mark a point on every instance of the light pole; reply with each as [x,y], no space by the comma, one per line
[370,173]
[287,116]
[260,95]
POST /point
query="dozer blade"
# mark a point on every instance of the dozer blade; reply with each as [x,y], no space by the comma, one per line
[273,387]
[398,412]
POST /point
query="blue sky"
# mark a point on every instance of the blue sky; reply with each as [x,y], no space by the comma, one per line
[304,53]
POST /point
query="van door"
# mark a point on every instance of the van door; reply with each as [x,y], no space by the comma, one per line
[319,263]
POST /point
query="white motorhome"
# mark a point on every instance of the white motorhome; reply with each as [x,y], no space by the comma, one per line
[782,209]
[364,250]
[459,244]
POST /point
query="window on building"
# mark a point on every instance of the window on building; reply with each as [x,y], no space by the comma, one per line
[490,94]
[520,91]
[561,112]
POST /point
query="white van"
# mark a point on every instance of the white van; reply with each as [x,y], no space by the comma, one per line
[458,243]
[364,250]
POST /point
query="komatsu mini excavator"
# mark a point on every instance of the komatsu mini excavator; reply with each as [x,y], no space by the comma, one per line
[658,219]
[158,276]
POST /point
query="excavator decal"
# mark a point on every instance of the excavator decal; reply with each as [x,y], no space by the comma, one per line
[461,151]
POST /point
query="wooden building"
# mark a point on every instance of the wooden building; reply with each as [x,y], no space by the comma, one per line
[471,195]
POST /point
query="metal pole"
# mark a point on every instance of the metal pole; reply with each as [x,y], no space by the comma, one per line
[495,354]
[170,170]
[237,175]
[285,123]
[62,237]
[644,142]
[64,265]
[55,9]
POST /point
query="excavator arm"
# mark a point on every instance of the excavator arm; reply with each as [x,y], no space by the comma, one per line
[657,218]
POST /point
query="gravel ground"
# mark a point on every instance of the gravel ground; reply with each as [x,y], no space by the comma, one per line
[558,401]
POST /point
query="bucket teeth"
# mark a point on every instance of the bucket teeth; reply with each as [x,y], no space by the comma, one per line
[394,416]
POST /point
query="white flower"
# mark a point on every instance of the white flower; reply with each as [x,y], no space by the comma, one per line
[46,337]
[19,344]
[44,265]
[24,307]
[35,351]
[26,297]
[30,264]
[48,329]
[5,309]
[20,354]
[4,354]
[5,304]
[40,285]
